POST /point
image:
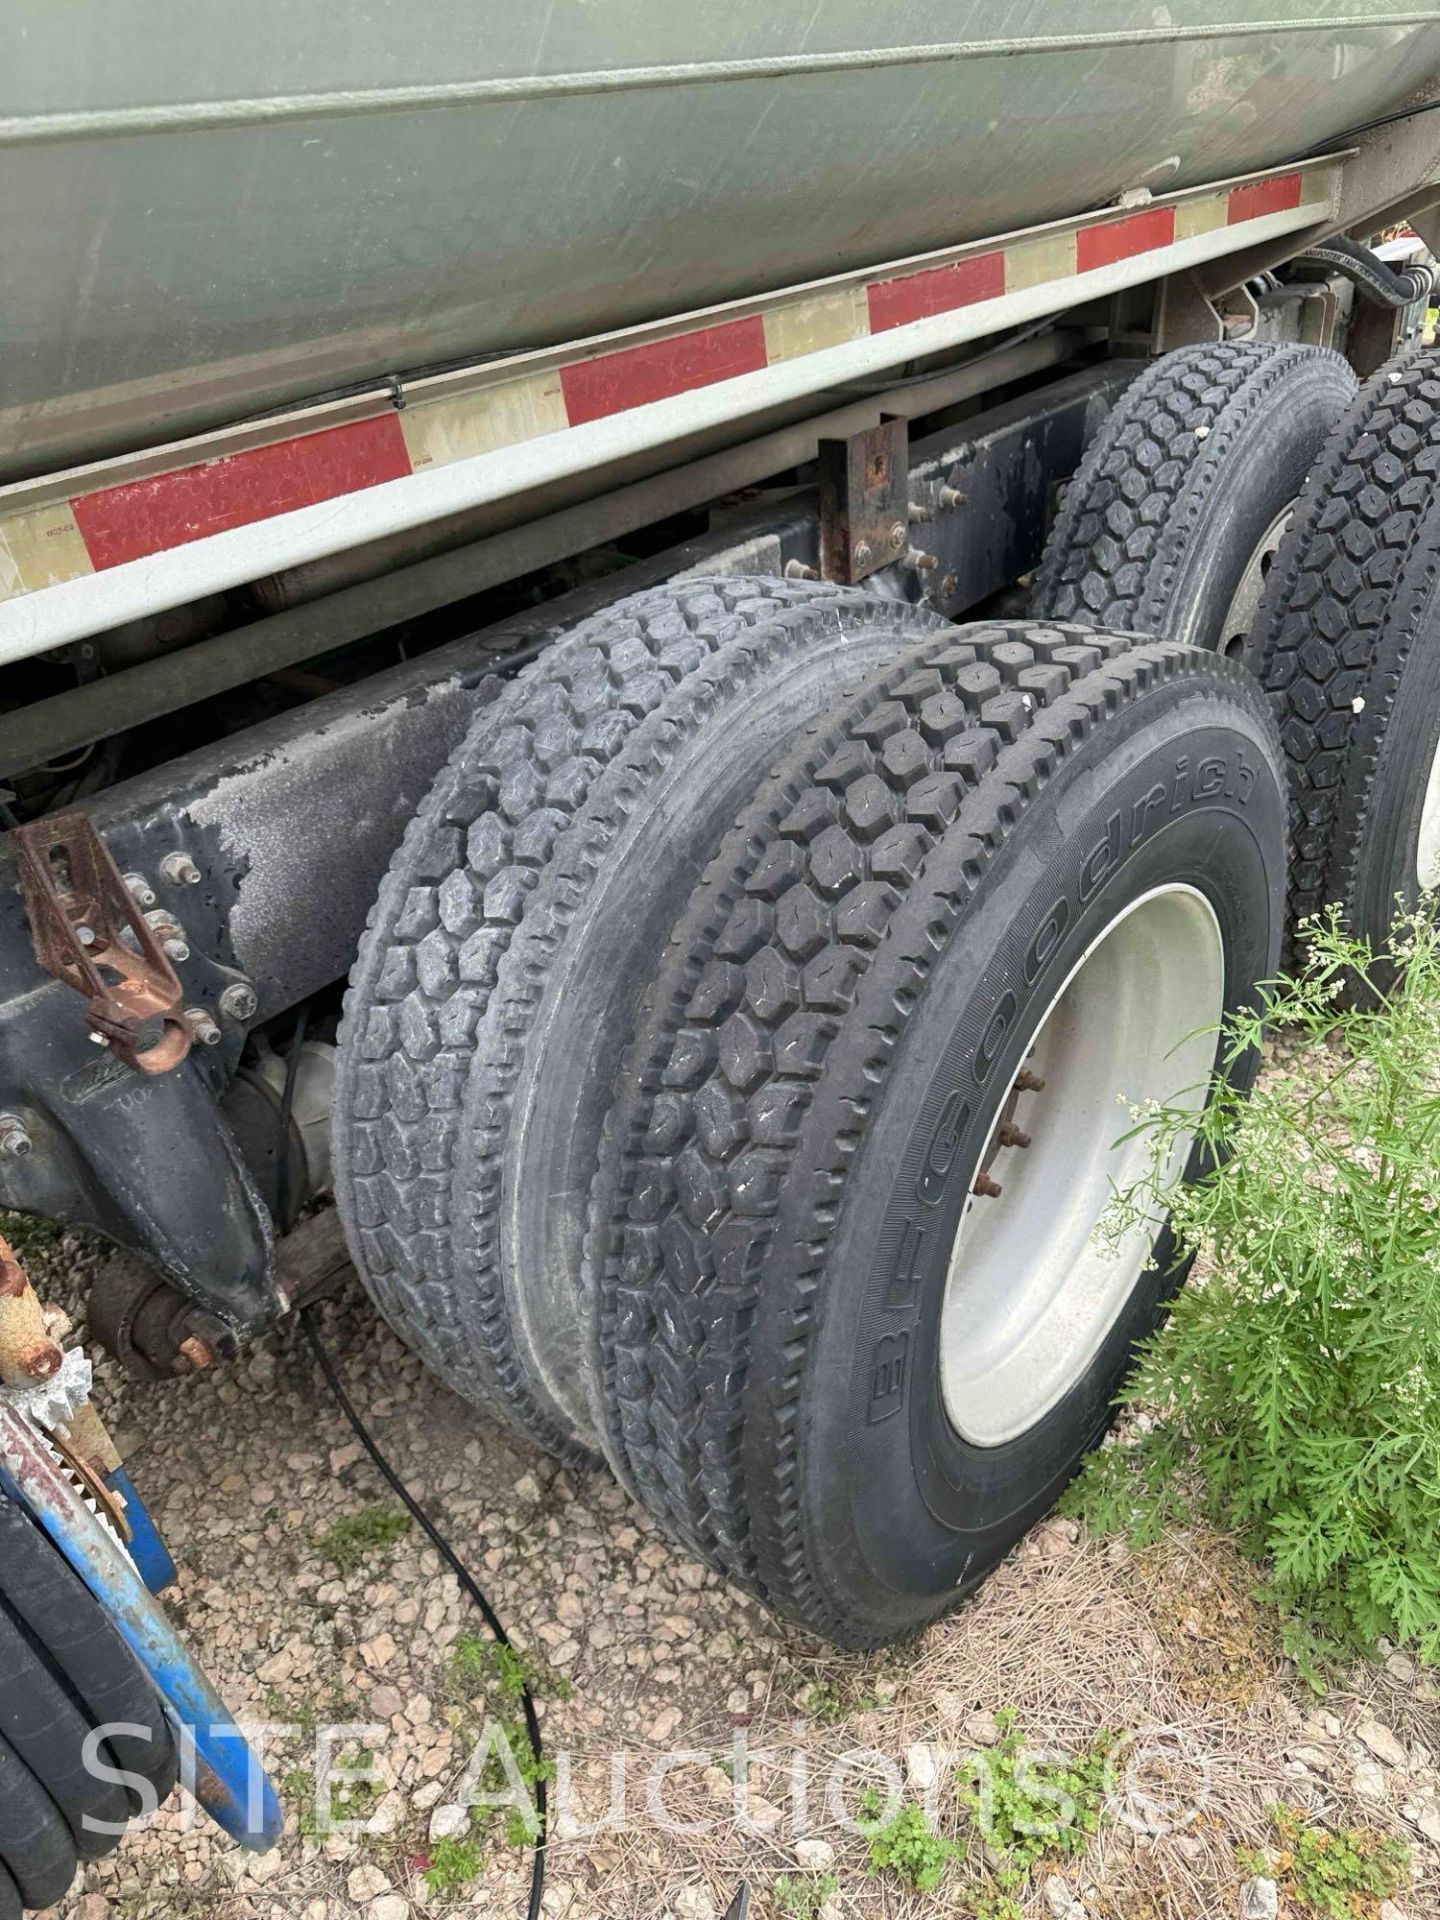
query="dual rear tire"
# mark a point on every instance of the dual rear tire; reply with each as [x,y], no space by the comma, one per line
[734,1277]
[735,1066]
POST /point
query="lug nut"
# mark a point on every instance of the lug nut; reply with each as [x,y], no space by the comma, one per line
[1029,1082]
[179,869]
[202,1026]
[193,1356]
[238,1001]
[953,497]
[15,1139]
[1010,1136]
[140,888]
[987,1188]
[797,570]
[922,561]
[175,949]
[919,513]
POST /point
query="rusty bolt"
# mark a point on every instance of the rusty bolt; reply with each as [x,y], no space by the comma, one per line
[238,1001]
[27,1351]
[797,570]
[953,497]
[1029,1082]
[1011,1136]
[899,534]
[920,513]
[179,869]
[202,1026]
[141,890]
[193,1356]
[987,1188]
[14,1136]
[863,556]
[923,561]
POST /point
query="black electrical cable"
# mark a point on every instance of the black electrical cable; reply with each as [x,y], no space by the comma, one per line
[1334,140]
[309,1320]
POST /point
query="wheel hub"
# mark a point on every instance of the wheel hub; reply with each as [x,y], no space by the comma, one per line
[1036,1282]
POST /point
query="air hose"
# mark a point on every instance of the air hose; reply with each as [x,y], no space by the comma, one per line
[1372,278]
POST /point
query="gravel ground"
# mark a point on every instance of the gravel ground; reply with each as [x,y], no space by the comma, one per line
[644,1653]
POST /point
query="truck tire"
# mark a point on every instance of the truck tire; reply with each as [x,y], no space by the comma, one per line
[1172,521]
[1348,647]
[836,1034]
[63,1672]
[496,983]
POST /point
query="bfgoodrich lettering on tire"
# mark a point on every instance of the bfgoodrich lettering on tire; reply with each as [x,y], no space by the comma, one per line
[978,876]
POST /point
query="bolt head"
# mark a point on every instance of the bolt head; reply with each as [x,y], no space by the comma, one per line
[179,869]
[140,889]
[863,556]
[202,1026]
[238,1001]
[899,534]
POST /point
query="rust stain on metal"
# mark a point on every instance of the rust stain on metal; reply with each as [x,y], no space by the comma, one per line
[193,1355]
[864,501]
[27,1353]
[209,1788]
[90,934]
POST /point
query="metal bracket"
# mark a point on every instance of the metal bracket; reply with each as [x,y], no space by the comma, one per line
[864,501]
[90,934]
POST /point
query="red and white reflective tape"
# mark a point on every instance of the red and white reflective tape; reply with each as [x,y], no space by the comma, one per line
[449,419]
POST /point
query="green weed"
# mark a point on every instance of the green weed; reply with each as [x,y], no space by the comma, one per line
[1300,1384]
[1341,1872]
[354,1536]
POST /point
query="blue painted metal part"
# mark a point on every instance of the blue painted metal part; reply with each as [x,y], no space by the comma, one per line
[222,1772]
[147,1549]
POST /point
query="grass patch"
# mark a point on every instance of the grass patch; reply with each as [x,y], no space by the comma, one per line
[476,1662]
[828,1704]
[794,1898]
[1030,1806]
[29,1234]
[908,1847]
[1341,1873]
[453,1863]
[355,1536]
[349,1799]
[1299,1386]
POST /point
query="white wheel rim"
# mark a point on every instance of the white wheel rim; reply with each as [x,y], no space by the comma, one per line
[1427,852]
[1035,1285]
[1245,602]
